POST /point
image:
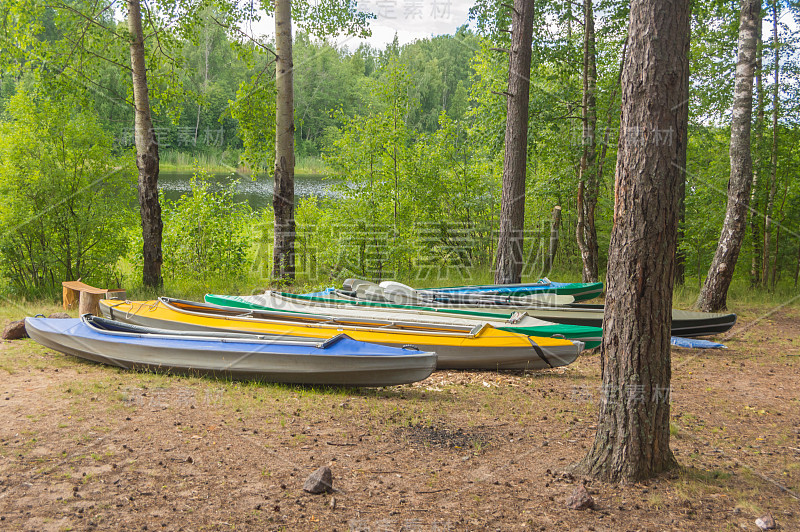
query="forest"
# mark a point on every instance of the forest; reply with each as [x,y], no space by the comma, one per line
[214,159]
[409,140]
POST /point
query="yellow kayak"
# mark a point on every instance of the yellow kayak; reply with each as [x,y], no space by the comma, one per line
[457,347]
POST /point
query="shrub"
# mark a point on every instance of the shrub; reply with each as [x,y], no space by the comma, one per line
[65,196]
[206,233]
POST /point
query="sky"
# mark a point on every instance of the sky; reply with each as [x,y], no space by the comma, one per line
[409,19]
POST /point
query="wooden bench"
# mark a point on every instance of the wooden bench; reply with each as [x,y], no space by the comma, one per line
[87,298]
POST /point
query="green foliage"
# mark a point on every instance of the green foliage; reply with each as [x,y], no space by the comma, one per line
[439,67]
[65,195]
[408,202]
[254,111]
[413,134]
[206,233]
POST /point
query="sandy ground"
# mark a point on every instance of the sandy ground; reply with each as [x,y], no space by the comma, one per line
[88,447]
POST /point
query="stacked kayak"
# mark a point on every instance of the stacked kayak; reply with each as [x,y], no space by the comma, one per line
[288,304]
[337,360]
[473,345]
[400,293]
[579,291]
[685,323]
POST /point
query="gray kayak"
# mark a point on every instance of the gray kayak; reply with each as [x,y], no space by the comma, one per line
[338,361]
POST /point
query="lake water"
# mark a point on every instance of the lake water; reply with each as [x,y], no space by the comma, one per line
[257,192]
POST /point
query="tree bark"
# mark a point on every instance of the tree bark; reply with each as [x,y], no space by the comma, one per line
[797,267]
[588,185]
[714,294]
[755,196]
[146,154]
[632,439]
[283,195]
[776,258]
[680,256]
[512,208]
[555,223]
[773,160]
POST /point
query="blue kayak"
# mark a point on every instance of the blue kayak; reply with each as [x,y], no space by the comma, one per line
[339,361]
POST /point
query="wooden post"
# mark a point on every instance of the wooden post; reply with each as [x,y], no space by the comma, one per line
[90,302]
[70,296]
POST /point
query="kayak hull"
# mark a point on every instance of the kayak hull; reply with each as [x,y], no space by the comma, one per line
[487,349]
[519,323]
[685,323]
[579,291]
[339,362]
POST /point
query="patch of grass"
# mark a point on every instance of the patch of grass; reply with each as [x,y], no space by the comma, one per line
[213,161]
[694,483]
[655,501]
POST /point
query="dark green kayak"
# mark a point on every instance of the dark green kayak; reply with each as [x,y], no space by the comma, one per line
[685,323]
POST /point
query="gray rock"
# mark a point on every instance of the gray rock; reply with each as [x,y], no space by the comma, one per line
[580,499]
[766,522]
[15,330]
[59,316]
[320,481]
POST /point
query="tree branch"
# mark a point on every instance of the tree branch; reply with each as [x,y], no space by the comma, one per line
[87,17]
[240,32]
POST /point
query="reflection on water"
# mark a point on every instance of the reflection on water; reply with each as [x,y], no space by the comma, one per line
[257,192]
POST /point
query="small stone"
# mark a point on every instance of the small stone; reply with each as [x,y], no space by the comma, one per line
[766,522]
[189,460]
[580,499]
[333,503]
[320,481]
[58,316]
[15,331]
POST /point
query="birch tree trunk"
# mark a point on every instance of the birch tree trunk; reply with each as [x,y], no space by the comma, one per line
[632,439]
[283,195]
[146,154]
[714,294]
[755,196]
[773,160]
[512,208]
[588,185]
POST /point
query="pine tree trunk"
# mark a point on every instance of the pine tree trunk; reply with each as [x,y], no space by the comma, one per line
[773,280]
[714,294]
[146,154]
[632,439]
[680,256]
[283,195]
[773,160]
[555,224]
[776,258]
[512,208]
[755,195]
[588,185]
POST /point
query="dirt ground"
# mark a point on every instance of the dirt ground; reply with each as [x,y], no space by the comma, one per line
[89,447]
